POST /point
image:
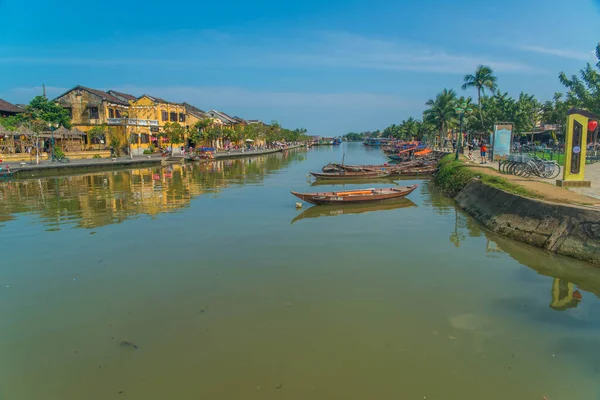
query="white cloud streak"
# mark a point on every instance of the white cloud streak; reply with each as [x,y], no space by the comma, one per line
[324,50]
[564,53]
[227,96]
[346,50]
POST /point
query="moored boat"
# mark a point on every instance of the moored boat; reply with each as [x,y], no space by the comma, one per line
[349,175]
[355,196]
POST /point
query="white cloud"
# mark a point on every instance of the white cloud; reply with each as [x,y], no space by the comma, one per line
[227,96]
[346,50]
[565,53]
[325,50]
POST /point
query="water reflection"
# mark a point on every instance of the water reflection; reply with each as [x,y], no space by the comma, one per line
[94,200]
[336,210]
[567,274]
[564,295]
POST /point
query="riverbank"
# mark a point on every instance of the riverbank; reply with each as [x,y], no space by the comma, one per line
[47,168]
[532,212]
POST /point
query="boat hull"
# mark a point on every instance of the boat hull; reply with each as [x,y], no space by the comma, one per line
[349,175]
[355,196]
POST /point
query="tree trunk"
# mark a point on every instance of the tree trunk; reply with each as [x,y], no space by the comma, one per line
[479,106]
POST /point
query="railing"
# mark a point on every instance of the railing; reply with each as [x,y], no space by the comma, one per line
[132,121]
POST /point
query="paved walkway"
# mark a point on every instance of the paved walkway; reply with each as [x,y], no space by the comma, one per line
[17,167]
[547,188]
[29,168]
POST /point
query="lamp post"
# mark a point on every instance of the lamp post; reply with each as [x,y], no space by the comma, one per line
[52,129]
[461,113]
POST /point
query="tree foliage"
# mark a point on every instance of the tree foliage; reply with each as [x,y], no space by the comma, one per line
[482,79]
[584,90]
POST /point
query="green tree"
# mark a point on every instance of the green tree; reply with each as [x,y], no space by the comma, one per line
[212,134]
[40,108]
[12,122]
[441,111]
[97,133]
[174,133]
[527,112]
[196,133]
[584,91]
[482,79]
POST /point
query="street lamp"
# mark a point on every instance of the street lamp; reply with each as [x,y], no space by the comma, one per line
[52,129]
[461,113]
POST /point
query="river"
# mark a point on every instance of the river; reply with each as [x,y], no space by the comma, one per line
[204,282]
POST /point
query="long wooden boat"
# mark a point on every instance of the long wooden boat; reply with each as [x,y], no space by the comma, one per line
[348,183]
[349,175]
[389,169]
[419,171]
[355,196]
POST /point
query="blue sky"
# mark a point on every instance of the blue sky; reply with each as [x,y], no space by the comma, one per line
[329,66]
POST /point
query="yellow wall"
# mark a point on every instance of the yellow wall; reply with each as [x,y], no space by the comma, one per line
[146,108]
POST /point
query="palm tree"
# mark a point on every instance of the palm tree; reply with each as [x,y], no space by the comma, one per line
[482,79]
[410,128]
[442,111]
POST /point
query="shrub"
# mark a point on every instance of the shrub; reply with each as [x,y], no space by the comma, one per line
[58,153]
[453,176]
[96,156]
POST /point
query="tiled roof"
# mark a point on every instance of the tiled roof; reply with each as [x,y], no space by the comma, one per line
[223,116]
[195,111]
[99,93]
[157,99]
[126,96]
[8,107]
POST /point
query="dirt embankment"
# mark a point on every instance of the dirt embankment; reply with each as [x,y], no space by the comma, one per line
[565,229]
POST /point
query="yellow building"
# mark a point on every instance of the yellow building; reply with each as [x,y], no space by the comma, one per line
[91,107]
[160,111]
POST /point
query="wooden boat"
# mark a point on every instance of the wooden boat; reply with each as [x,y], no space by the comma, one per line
[349,175]
[348,183]
[419,171]
[356,196]
[333,210]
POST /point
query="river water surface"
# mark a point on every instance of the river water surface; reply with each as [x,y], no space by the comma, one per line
[205,282]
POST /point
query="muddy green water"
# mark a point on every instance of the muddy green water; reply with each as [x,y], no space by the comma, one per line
[229,292]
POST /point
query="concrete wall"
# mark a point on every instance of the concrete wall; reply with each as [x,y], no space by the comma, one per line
[564,229]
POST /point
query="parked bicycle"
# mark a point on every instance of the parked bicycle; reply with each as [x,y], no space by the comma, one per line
[526,166]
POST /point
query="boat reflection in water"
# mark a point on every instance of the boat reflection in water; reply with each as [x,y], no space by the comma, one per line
[336,209]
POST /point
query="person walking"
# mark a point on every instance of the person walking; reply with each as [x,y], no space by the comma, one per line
[470,148]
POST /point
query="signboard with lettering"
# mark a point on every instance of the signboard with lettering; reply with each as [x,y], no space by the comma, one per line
[502,141]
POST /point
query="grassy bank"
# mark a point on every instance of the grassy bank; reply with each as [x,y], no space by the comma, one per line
[453,176]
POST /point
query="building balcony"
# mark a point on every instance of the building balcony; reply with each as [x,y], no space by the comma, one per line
[132,121]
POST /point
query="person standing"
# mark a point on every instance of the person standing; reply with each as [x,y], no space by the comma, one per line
[483,153]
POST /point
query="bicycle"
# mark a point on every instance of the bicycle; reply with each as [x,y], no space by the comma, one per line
[547,169]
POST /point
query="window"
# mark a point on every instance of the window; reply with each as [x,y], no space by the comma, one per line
[181,117]
[145,138]
[165,116]
[173,117]
[93,112]
[133,138]
[118,113]
[98,139]
[111,113]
